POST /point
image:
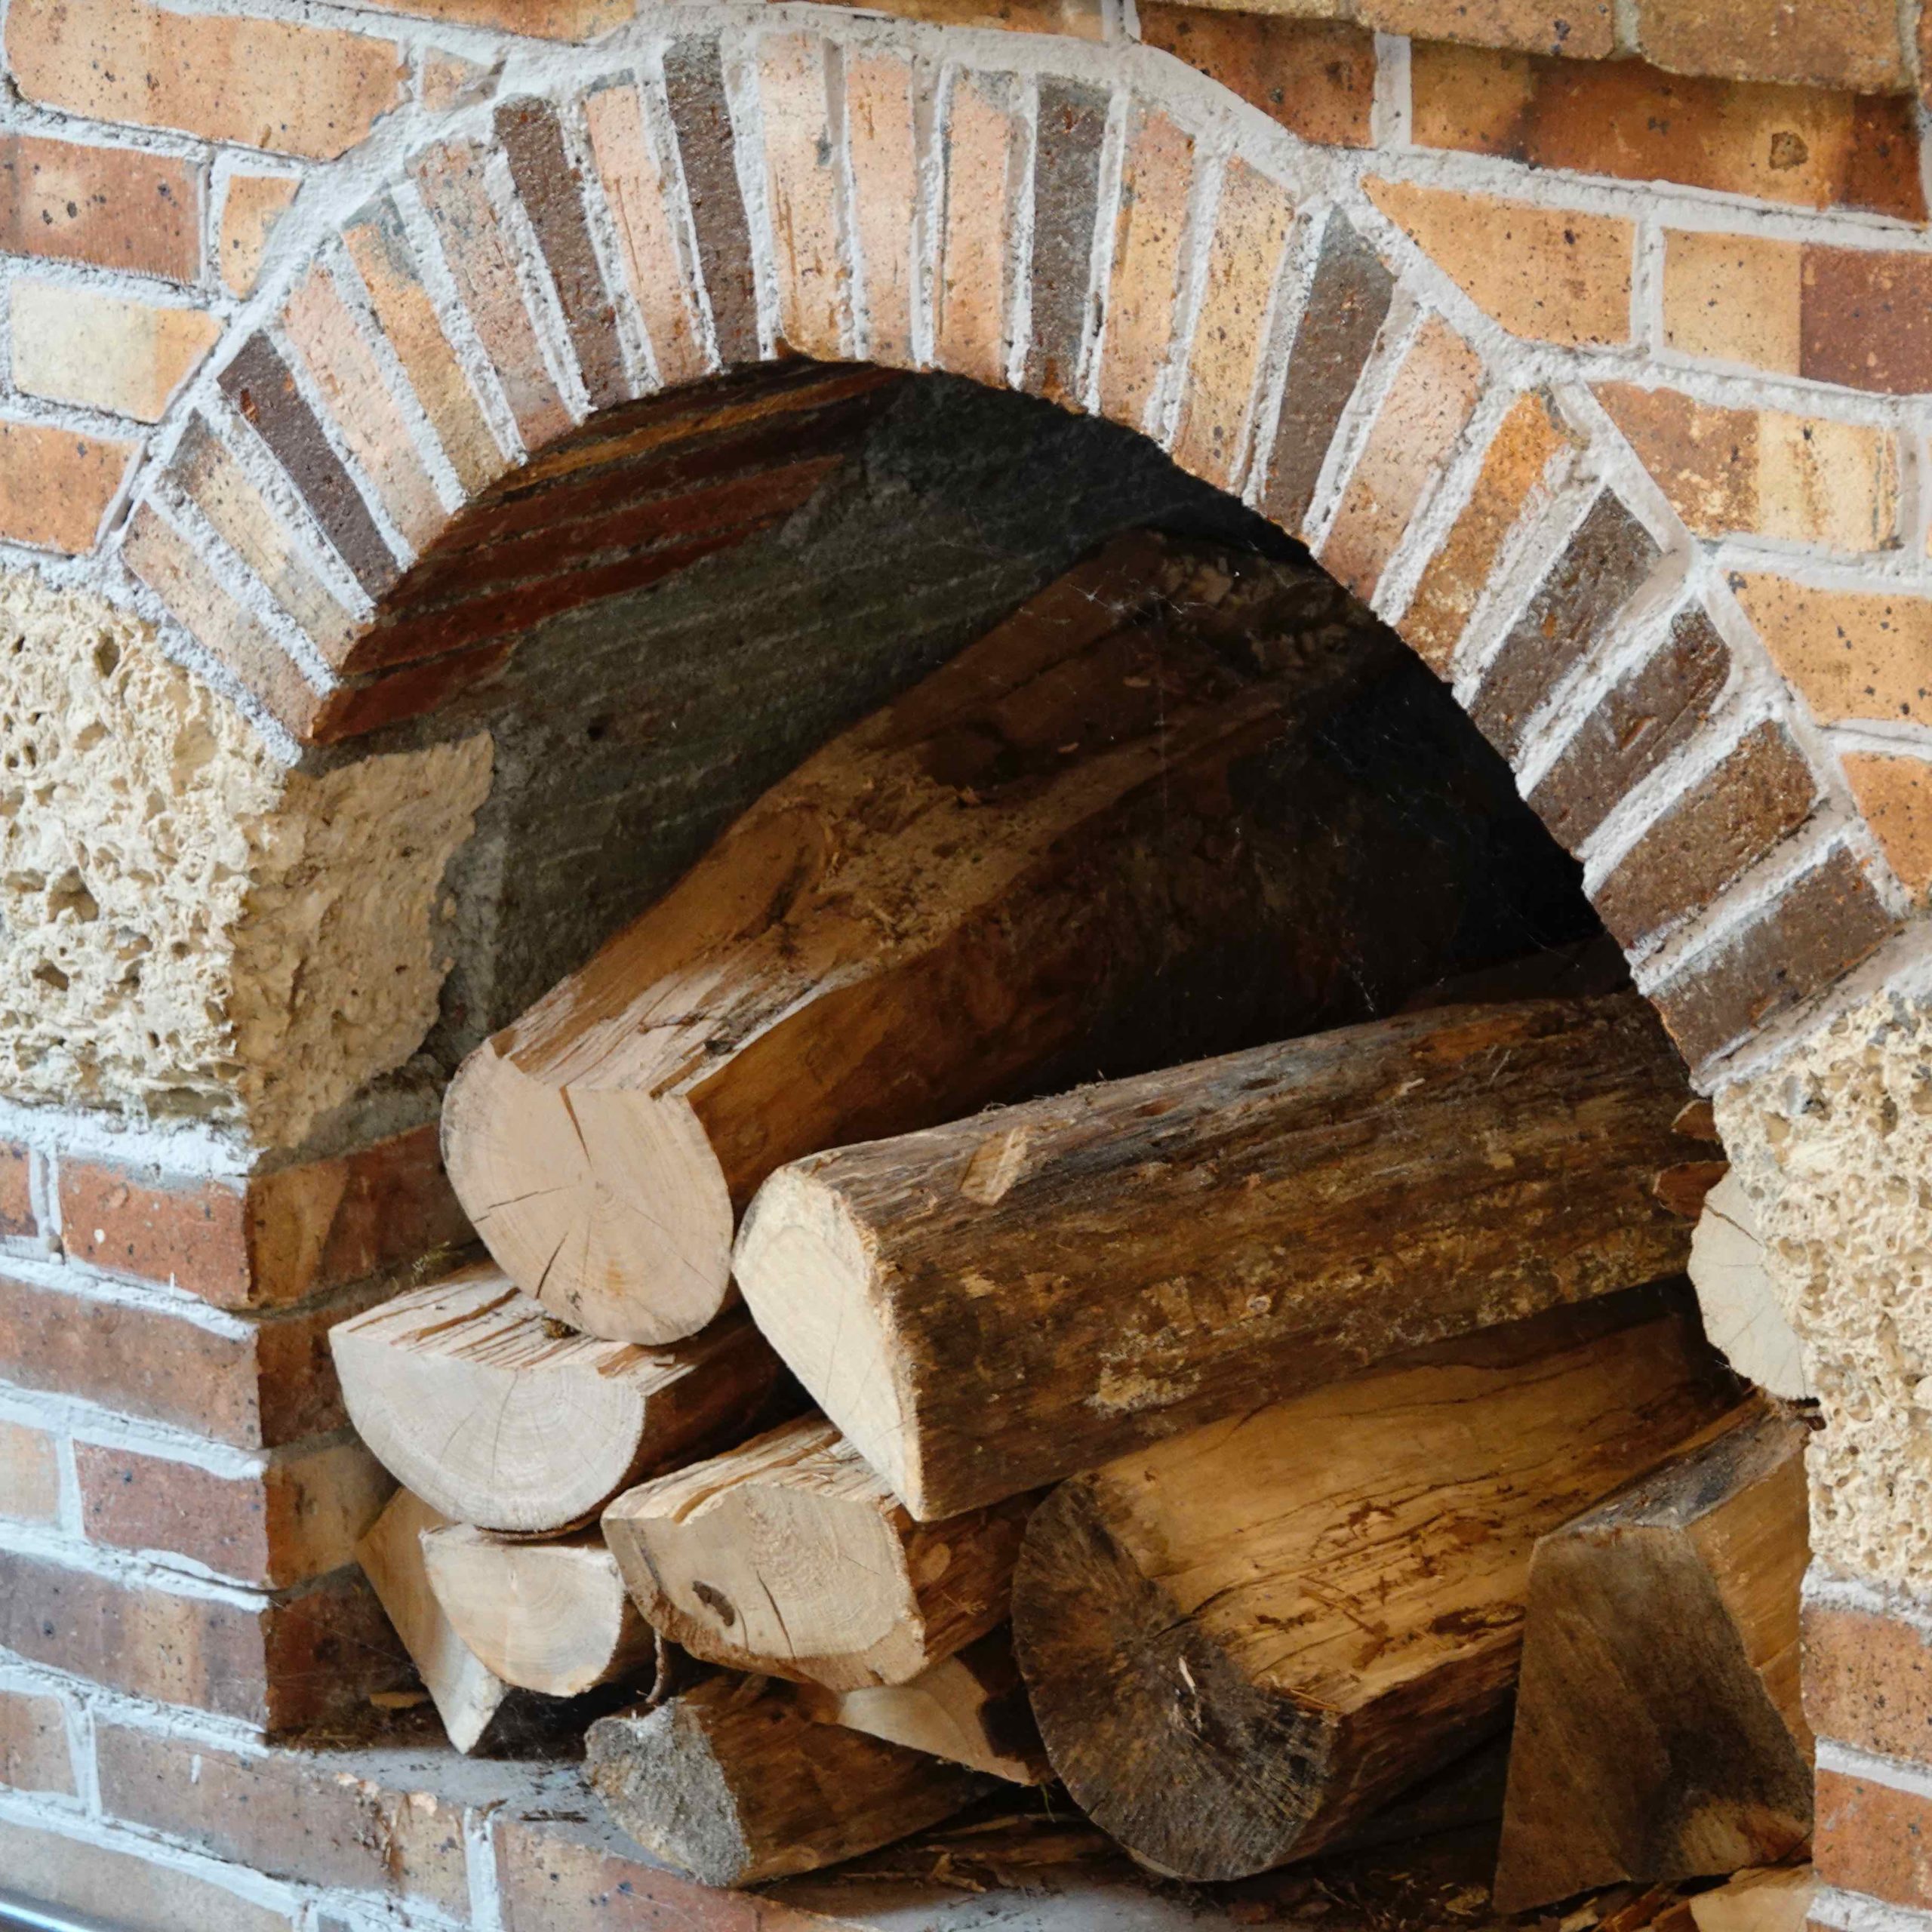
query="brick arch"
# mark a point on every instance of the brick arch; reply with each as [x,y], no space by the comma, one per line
[457,363]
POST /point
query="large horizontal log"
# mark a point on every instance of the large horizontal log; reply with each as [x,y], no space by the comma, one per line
[788,1556]
[987,1305]
[1241,1642]
[498,1415]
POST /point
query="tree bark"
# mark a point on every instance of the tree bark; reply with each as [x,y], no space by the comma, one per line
[788,1556]
[498,1415]
[1659,1732]
[988,1305]
[1241,1642]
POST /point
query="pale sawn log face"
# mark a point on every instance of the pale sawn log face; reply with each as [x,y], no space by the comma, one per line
[988,1306]
[1240,1642]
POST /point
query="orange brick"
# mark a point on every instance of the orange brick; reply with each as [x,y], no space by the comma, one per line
[30,1475]
[1852,44]
[1874,1838]
[56,484]
[549,20]
[250,207]
[802,184]
[16,1212]
[1079,19]
[1868,1681]
[303,90]
[1317,78]
[1895,794]
[1157,174]
[35,1754]
[105,351]
[883,141]
[1251,230]
[117,206]
[1552,274]
[982,140]
[1866,319]
[1428,406]
[1851,654]
[1803,478]
[445,81]
[1585,31]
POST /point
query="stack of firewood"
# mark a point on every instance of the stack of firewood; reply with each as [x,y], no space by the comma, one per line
[1221,1439]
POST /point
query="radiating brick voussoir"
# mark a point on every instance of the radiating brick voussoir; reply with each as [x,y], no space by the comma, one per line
[1071,124]
[803,192]
[983,149]
[707,155]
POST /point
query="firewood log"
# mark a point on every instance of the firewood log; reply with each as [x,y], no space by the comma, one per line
[493,1410]
[1659,1733]
[1241,1641]
[788,1556]
[467,1695]
[985,1306]
[970,886]
[734,1783]
[1743,1314]
[546,1617]
[970,1708]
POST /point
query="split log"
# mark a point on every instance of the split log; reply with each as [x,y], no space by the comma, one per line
[733,1783]
[550,1617]
[1743,1313]
[494,1412]
[970,1710]
[788,1556]
[1241,1641]
[467,1695]
[986,1307]
[1036,850]
[1658,1733]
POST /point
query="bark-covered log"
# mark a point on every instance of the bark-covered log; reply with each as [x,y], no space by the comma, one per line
[985,1306]
[1242,1642]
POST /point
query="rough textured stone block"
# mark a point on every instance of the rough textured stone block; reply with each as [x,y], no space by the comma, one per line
[118,207]
[1895,795]
[34,1754]
[251,204]
[1317,78]
[1874,1838]
[1851,654]
[56,484]
[1852,44]
[29,1474]
[128,358]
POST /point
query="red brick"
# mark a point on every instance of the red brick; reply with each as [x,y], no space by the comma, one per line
[1315,77]
[1583,32]
[1072,128]
[1874,1838]
[296,1520]
[56,484]
[1866,319]
[694,84]
[409,692]
[1852,44]
[1868,1681]
[35,1754]
[16,1213]
[1157,177]
[274,1238]
[115,207]
[982,144]
[278,1663]
[30,1475]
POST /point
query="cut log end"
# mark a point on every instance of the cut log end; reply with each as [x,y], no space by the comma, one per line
[556,1179]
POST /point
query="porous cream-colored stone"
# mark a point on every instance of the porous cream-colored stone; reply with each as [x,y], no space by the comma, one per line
[1834,1147]
[186,928]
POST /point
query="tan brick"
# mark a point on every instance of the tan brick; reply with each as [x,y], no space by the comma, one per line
[296,1520]
[1895,795]
[801,179]
[1852,44]
[56,484]
[330,341]
[79,1876]
[273,1239]
[1815,147]
[1763,472]
[1082,19]
[446,80]
[1157,174]
[1874,1838]
[1430,400]
[981,142]
[549,20]
[1584,32]
[1851,654]
[250,206]
[117,206]
[30,1475]
[1553,275]
[1735,298]
[105,351]
[883,142]
[35,1754]
[303,90]
[1317,78]
[1519,456]
[1251,227]
[17,1209]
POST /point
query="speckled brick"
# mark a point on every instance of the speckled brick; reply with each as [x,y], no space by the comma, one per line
[694,80]
[117,207]
[881,138]
[1157,172]
[1072,122]
[1868,1681]
[982,140]
[803,192]
[1873,1838]
[1851,654]
[1852,44]
[35,1754]
[1315,77]
[1895,795]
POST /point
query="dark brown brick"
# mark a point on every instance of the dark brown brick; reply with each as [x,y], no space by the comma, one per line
[118,207]
[1762,792]
[1817,930]
[1317,78]
[1643,718]
[1067,176]
[551,192]
[1868,1681]
[1348,301]
[290,1814]
[278,1663]
[33,1751]
[1865,319]
[694,79]
[258,383]
[1603,566]
[1874,1838]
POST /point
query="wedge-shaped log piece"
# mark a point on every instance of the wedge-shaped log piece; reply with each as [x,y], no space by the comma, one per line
[1659,1733]
[789,1556]
[495,1412]
[983,1307]
[993,876]
[734,1783]
[971,1710]
[1241,1642]
[546,1616]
